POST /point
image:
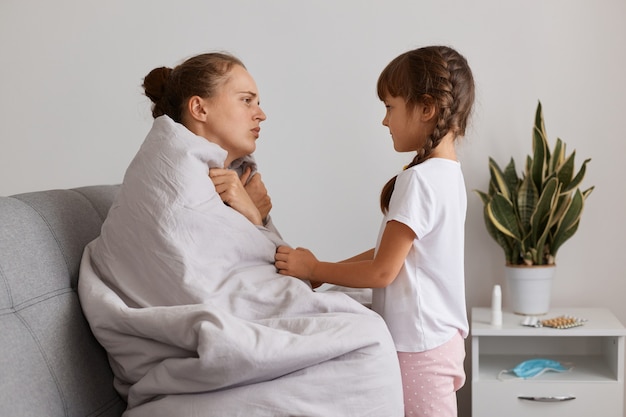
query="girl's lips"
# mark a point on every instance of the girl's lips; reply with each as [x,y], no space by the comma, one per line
[256,131]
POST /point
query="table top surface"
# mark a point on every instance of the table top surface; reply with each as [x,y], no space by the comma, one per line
[597,322]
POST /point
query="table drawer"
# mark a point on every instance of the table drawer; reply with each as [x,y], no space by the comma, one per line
[501,398]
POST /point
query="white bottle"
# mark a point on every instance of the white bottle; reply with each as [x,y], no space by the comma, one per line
[496,306]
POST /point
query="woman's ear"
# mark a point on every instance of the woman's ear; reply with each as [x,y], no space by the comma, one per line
[197,108]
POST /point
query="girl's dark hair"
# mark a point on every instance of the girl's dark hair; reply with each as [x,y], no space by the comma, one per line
[436,74]
[169,89]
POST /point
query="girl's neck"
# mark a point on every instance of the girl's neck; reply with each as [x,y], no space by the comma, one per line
[446,148]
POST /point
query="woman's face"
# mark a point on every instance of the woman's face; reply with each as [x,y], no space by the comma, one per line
[234,115]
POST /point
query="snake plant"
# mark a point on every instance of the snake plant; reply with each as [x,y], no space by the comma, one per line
[531,216]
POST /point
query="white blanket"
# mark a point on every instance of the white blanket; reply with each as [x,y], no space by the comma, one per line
[182,292]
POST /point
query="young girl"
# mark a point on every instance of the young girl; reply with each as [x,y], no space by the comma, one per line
[417,266]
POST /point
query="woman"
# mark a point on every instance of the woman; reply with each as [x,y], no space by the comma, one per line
[181,289]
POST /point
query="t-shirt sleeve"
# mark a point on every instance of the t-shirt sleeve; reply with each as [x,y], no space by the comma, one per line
[412,203]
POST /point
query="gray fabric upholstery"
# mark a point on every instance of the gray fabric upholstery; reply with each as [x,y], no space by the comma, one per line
[50,363]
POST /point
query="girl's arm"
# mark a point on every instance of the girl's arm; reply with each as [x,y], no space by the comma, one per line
[377,272]
[365,256]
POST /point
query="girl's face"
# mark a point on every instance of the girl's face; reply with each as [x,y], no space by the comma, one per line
[408,128]
[234,115]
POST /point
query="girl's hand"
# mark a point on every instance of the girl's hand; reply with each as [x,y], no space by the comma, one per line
[298,262]
[232,192]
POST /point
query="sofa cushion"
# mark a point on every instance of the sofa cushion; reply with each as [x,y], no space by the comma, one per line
[50,363]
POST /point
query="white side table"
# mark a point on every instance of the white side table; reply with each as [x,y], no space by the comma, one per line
[594,387]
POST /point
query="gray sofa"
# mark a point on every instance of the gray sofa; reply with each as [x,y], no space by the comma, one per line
[50,363]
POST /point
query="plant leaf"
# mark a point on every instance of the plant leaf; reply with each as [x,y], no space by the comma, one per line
[578,179]
[498,183]
[540,150]
[565,171]
[527,197]
[510,176]
[507,243]
[568,224]
[541,219]
[484,197]
[501,213]
[588,191]
[558,155]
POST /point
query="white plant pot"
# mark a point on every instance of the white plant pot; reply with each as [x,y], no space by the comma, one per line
[529,288]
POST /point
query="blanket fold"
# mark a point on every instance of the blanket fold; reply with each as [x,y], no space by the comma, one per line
[182,292]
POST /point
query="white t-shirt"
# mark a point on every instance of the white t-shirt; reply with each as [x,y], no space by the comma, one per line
[425,305]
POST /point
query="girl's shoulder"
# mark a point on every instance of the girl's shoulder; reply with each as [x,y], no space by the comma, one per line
[431,175]
[433,165]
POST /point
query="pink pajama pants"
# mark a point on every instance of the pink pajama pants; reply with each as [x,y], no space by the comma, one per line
[431,379]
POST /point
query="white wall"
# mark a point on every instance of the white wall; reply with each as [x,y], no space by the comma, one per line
[72,111]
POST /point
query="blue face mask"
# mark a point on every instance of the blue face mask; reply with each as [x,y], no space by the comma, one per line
[535,367]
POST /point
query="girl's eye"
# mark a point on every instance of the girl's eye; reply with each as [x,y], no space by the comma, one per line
[247,100]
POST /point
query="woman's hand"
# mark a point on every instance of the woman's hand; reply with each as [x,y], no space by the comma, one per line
[257,192]
[232,192]
[298,262]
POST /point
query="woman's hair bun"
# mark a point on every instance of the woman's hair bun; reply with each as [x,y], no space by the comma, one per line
[155,82]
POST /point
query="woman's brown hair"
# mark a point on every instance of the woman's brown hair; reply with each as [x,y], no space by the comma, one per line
[169,89]
[434,73]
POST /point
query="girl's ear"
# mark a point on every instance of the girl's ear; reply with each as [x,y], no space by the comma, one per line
[197,108]
[429,109]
